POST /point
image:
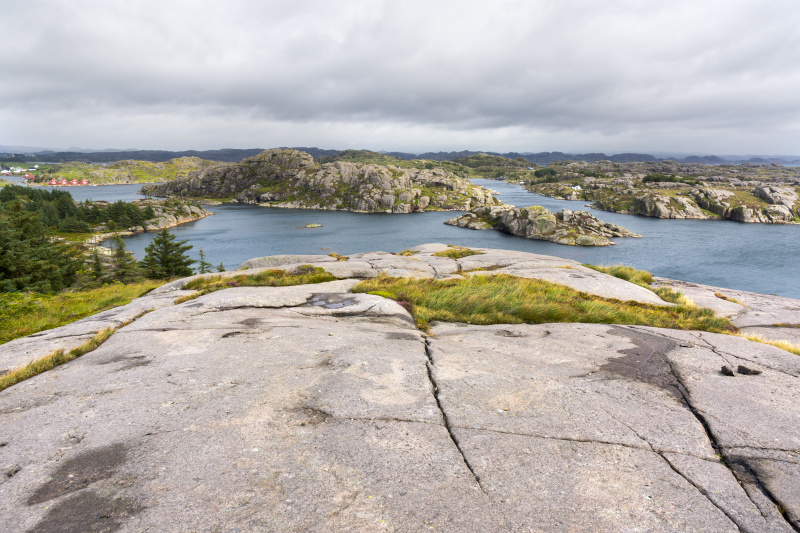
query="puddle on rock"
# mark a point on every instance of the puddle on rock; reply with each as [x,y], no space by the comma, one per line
[331,301]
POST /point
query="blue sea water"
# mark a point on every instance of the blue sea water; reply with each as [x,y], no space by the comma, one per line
[756,257]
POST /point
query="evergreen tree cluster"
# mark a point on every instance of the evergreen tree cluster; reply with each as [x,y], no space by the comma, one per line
[164,258]
[29,259]
[57,210]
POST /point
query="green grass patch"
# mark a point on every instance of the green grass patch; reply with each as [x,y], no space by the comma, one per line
[23,314]
[48,362]
[457,252]
[303,275]
[503,299]
[639,277]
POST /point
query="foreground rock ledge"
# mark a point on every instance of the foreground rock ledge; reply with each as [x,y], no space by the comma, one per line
[315,409]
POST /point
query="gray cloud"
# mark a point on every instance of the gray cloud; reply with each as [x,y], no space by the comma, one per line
[705,76]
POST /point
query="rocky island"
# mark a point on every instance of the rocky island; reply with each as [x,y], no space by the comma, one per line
[321,407]
[744,192]
[291,178]
[535,222]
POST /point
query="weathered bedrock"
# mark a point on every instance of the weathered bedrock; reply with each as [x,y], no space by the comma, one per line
[312,408]
[536,222]
[291,178]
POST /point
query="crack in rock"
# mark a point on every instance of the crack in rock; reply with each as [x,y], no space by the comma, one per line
[430,365]
[741,471]
[726,460]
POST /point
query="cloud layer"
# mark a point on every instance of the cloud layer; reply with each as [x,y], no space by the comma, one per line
[621,75]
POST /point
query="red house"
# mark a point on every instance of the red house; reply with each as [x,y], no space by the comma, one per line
[84,181]
[63,181]
[53,182]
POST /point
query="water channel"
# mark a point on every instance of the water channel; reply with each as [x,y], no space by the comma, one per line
[756,257]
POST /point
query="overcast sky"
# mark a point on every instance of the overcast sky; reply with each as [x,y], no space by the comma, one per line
[697,76]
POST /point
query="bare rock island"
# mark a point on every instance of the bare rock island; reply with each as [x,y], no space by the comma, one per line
[313,408]
[539,223]
[291,178]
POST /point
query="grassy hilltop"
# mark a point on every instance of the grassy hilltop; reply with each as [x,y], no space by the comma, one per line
[127,171]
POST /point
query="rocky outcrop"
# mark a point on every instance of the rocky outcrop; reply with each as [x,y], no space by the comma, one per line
[291,178]
[312,408]
[535,222]
[170,216]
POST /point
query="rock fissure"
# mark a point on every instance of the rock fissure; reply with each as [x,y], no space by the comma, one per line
[721,452]
[430,365]
[705,494]
[740,358]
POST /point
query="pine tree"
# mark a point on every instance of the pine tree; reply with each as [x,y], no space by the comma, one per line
[221,267]
[125,268]
[165,258]
[205,266]
[97,268]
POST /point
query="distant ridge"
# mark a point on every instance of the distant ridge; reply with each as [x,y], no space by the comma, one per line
[234,155]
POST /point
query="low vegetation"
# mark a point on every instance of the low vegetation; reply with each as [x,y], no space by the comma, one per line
[23,314]
[457,252]
[303,275]
[503,299]
[783,345]
[48,362]
[643,278]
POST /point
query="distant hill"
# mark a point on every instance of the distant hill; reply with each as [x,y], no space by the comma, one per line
[234,155]
[227,155]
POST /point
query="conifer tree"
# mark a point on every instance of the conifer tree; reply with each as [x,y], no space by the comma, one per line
[165,258]
[205,266]
[97,267]
[221,267]
[125,269]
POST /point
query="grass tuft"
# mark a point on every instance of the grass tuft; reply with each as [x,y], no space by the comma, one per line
[503,299]
[457,252]
[728,298]
[302,275]
[790,347]
[52,360]
[642,278]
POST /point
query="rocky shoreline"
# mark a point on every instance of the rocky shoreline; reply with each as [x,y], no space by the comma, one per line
[167,216]
[535,222]
[318,409]
[743,193]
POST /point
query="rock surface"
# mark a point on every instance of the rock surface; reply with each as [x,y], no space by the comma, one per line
[536,222]
[311,408]
[291,178]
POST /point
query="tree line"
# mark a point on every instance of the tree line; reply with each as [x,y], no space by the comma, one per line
[33,259]
[57,210]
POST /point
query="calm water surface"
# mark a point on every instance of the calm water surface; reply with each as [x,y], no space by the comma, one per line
[756,257]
